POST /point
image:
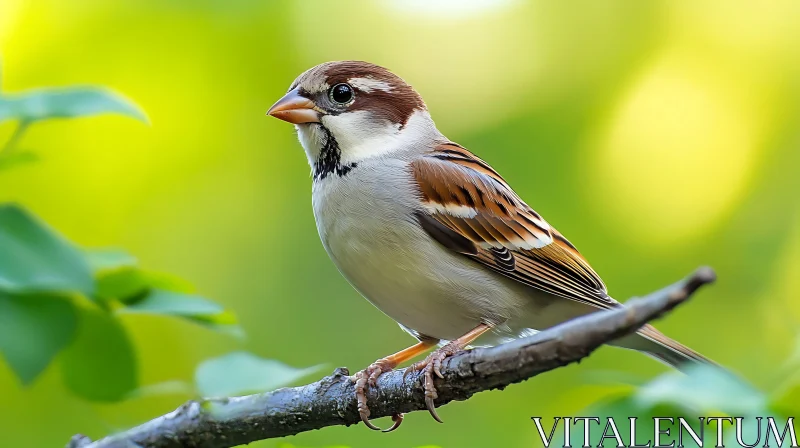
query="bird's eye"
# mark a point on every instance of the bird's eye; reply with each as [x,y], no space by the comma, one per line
[341,93]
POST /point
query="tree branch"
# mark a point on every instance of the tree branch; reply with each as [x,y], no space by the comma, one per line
[331,401]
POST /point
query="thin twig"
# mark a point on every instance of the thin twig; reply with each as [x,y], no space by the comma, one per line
[331,401]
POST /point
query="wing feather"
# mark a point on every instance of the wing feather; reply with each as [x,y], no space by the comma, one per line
[466,197]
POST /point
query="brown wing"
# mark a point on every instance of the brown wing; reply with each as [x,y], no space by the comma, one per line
[470,209]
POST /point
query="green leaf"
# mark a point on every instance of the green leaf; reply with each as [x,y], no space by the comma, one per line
[183,305]
[168,282]
[702,391]
[41,104]
[33,329]
[119,277]
[194,308]
[16,158]
[124,284]
[703,388]
[132,290]
[108,259]
[241,373]
[101,363]
[137,291]
[35,258]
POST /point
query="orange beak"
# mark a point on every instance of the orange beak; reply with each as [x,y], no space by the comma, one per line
[295,109]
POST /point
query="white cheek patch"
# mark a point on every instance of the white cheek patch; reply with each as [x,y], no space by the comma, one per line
[368,84]
[361,136]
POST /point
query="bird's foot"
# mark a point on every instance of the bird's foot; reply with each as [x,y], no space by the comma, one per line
[432,365]
[369,378]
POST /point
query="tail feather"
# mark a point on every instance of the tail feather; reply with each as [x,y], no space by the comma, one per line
[660,347]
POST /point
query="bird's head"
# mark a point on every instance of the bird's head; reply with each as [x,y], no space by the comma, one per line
[357,109]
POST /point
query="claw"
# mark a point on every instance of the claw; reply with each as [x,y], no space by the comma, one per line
[398,420]
[363,410]
[437,368]
[430,392]
[432,365]
[413,368]
[432,410]
[368,423]
[369,378]
[362,379]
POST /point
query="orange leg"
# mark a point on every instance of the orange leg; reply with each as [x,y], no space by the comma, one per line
[433,364]
[409,353]
[369,377]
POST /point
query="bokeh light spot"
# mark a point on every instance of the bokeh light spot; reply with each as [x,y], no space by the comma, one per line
[437,56]
[448,8]
[676,153]
[8,13]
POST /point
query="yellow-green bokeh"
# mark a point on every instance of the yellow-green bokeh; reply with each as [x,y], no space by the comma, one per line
[656,135]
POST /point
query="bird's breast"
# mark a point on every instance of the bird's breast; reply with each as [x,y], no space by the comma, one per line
[366,224]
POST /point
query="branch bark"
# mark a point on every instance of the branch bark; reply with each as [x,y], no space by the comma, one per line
[331,401]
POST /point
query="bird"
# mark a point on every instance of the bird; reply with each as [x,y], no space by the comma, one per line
[431,234]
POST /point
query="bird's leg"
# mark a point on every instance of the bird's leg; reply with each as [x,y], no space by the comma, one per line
[369,377]
[433,364]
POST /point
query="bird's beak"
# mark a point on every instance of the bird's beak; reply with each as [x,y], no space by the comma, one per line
[295,109]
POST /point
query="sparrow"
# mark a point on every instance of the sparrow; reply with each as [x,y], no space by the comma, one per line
[431,234]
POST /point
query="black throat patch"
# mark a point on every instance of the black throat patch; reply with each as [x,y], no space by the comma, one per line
[329,160]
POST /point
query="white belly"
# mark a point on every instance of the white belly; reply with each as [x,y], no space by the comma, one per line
[373,239]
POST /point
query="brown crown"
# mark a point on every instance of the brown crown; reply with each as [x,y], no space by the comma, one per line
[396,105]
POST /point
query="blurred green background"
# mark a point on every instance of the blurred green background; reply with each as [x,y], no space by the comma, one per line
[656,135]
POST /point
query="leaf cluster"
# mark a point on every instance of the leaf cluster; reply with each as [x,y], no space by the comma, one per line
[58,300]
[702,391]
